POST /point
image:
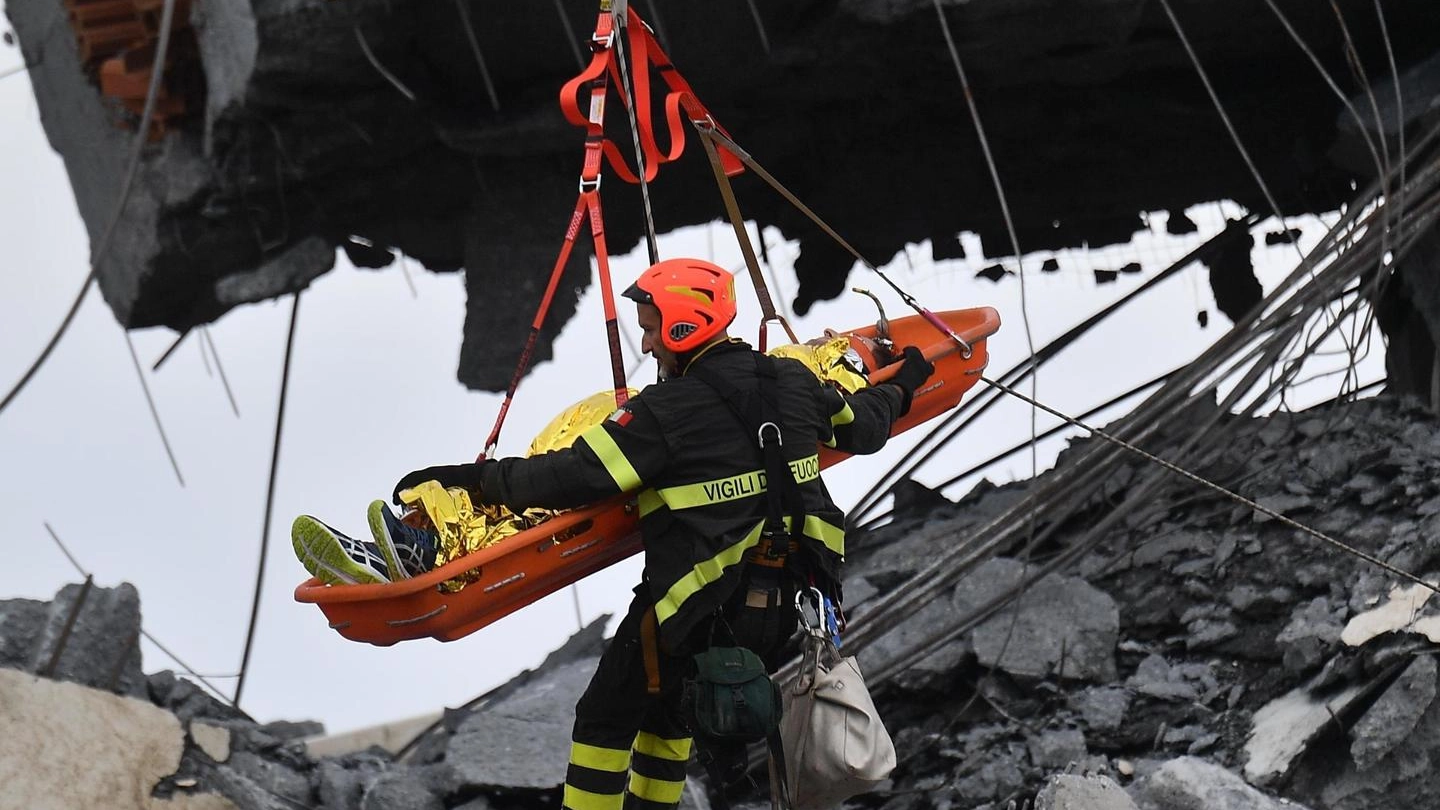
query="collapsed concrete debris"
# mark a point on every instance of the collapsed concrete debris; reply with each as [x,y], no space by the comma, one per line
[1205,656]
[1200,629]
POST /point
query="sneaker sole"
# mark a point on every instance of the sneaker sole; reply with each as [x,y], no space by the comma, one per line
[381,534]
[322,555]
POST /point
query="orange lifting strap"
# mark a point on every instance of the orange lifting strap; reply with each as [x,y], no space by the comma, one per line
[645,54]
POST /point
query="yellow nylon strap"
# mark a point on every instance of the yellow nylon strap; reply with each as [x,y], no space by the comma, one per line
[658,747]
[661,791]
[613,760]
[704,573]
[577,799]
[609,453]
[844,416]
[733,487]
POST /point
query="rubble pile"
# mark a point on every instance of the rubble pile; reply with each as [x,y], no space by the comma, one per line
[1204,655]
[1200,633]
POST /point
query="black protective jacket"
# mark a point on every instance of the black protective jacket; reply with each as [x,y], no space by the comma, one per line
[699,475]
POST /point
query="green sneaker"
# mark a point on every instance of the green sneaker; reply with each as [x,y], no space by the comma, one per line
[333,558]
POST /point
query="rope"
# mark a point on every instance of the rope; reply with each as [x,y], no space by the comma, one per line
[269,500]
[150,401]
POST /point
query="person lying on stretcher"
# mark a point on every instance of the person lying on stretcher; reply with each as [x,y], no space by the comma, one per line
[443,521]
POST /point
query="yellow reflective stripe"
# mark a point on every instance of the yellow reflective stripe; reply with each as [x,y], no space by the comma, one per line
[650,500]
[662,791]
[615,462]
[703,574]
[734,487]
[720,490]
[844,416]
[805,469]
[596,758]
[577,799]
[661,748]
[832,536]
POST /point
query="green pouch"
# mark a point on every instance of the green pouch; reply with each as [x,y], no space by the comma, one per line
[730,697]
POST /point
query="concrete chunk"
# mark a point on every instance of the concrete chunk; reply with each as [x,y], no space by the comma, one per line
[1075,792]
[520,742]
[1065,626]
[1189,783]
[1391,719]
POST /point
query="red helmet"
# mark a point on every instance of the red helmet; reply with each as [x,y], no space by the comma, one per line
[696,300]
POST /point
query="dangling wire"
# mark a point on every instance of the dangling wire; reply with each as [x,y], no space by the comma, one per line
[269,500]
[219,367]
[1004,210]
[150,401]
[1240,145]
[479,57]
[142,134]
[570,35]
[186,668]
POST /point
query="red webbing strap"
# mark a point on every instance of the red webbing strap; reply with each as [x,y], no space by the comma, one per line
[742,235]
[524,363]
[607,295]
[645,55]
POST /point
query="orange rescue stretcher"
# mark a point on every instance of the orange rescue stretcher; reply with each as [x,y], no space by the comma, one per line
[574,544]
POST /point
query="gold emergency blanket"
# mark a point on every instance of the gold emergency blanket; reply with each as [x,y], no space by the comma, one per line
[829,359]
[462,527]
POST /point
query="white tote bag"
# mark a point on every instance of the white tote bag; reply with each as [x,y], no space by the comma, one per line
[834,742]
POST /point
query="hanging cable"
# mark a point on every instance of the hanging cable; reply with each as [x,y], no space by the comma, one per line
[269,499]
[1230,127]
[1004,209]
[142,133]
[150,400]
[479,57]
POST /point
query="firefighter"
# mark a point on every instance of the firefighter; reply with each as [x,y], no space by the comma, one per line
[699,473]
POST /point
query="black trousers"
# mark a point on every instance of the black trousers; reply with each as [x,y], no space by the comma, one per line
[629,747]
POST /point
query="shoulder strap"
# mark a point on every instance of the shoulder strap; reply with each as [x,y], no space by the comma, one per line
[761,415]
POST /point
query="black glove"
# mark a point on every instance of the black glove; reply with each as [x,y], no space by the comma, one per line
[449,475]
[914,371]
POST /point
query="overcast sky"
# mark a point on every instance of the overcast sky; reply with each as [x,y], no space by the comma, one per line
[373,395]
